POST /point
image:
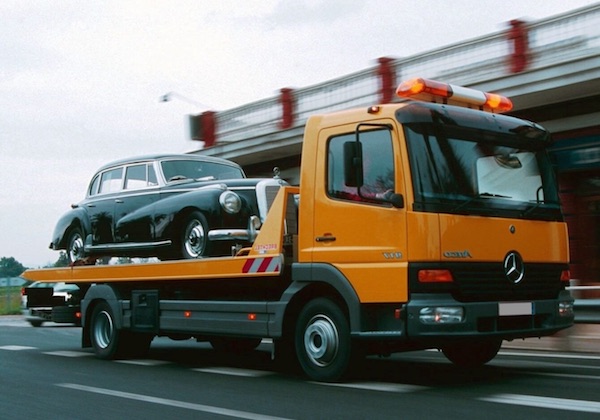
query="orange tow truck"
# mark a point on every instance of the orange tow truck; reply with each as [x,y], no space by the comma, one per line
[433,222]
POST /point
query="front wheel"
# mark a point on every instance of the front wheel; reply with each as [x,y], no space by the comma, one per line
[322,340]
[472,353]
[194,236]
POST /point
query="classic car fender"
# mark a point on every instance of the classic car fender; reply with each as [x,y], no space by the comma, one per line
[73,218]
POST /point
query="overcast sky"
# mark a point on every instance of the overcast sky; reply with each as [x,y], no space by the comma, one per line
[80,81]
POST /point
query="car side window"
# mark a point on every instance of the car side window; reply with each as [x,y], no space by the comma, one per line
[94,186]
[378,167]
[111,181]
[135,177]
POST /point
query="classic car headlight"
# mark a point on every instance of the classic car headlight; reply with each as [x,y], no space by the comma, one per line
[231,202]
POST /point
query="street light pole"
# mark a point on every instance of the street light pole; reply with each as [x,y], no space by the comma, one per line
[174,95]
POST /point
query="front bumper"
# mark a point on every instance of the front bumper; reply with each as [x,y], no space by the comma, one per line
[504,320]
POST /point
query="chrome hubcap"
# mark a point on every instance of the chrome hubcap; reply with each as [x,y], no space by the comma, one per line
[103,330]
[194,243]
[321,340]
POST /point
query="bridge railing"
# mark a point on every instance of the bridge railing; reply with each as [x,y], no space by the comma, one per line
[553,40]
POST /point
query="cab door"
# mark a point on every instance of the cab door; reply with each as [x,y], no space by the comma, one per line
[356,226]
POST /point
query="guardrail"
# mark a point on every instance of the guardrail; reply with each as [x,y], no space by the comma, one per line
[557,39]
[587,311]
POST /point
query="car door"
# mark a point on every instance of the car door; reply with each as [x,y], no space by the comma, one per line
[100,207]
[134,209]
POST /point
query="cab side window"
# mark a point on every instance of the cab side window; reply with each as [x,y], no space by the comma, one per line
[378,167]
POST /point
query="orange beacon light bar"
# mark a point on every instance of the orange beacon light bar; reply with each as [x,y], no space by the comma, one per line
[431,90]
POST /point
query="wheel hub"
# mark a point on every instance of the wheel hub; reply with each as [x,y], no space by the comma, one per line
[321,340]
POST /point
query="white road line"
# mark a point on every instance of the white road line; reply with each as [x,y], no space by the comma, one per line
[377,386]
[545,402]
[67,353]
[17,348]
[565,375]
[171,403]
[235,372]
[143,362]
[549,355]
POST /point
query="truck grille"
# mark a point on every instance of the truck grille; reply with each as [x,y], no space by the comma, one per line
[479,282]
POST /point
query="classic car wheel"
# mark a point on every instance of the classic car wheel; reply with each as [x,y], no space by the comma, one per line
[75,245]
[194,242]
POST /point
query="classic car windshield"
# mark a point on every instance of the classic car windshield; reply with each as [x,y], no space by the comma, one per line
[174,170]
[476,172]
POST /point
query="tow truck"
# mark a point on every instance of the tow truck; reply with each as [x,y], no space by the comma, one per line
[431,222]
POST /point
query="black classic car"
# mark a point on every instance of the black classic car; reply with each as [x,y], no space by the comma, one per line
[165,206]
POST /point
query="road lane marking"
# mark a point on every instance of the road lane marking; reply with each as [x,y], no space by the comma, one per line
[67,353]
[545,402]
[144,362]
[235,372]
[17,348]
[376,386]
[549,355]
[172,403]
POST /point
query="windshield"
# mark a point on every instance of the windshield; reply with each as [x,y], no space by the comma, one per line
[176,170]
[468,171]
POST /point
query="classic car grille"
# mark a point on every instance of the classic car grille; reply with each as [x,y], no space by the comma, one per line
[487,282]
[266,191]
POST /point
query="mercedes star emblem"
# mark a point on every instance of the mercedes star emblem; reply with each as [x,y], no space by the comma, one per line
[514,267]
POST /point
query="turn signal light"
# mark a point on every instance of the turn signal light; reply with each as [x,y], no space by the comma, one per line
[435,276]
[434,91]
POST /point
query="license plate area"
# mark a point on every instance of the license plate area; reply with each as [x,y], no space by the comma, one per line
[515,308]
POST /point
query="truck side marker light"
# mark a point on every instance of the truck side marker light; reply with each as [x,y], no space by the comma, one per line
[251,317]
[262,265]
[187,314]
[565,276]
[431,90]
[435,276]
[374,109]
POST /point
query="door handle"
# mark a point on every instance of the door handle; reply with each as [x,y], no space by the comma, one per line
[326,238]
[119,201]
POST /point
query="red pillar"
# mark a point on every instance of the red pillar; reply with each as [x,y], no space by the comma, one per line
[209,126]
[387,79]
[286,99]
[517,35]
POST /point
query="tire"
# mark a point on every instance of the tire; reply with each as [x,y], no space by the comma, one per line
[111,343]
[322,341]
[75,245]
[105,337]
[235,345]
[194,237]
[471,354]
[36,323]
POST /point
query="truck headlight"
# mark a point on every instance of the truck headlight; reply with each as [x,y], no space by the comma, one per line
[230,201]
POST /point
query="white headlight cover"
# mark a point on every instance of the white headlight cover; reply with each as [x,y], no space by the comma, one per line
[231,202]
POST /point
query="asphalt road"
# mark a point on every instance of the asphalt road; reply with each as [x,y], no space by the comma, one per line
[45,373]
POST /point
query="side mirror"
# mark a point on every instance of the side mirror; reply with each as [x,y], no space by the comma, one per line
[397,200]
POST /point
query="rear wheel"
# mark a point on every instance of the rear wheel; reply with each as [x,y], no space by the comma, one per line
[472,353]
[75,245]
[322,340]
[109,342]
[106,338]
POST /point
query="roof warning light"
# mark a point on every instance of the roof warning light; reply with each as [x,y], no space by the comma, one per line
[433,91]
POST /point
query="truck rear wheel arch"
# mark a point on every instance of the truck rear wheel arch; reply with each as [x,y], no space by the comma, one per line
[94,296]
